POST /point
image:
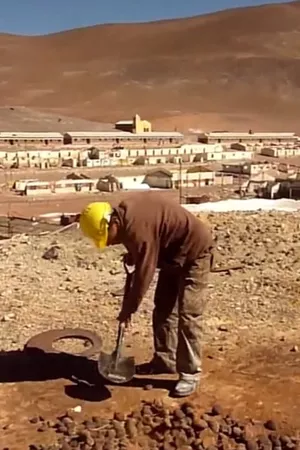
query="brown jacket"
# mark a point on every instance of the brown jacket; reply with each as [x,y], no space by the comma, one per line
[158,232]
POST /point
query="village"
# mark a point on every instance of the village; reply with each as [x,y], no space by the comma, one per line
[260,163]
[149,225]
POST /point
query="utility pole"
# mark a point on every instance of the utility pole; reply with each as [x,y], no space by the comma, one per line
[180,180]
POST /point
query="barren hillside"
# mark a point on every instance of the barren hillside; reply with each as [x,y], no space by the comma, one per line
[233,67]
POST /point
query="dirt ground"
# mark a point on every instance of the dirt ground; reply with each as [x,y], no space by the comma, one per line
[251,336]
[254,381]
[15,205]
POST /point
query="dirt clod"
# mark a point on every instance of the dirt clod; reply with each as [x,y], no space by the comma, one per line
[154,426]
[270,425]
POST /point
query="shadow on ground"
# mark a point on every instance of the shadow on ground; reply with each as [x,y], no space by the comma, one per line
[35,365]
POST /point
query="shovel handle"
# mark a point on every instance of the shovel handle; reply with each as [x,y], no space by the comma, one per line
[122,325]
[119,342]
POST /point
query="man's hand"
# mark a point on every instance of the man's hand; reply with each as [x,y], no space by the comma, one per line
[128,259]
[125,317]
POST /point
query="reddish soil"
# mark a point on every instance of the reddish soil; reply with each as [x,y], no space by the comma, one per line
[258,382]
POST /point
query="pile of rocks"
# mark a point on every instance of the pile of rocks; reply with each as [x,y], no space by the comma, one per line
[154,426]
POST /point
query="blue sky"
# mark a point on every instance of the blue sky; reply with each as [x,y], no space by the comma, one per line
[48,16]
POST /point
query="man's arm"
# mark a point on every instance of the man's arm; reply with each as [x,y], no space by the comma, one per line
[145,265]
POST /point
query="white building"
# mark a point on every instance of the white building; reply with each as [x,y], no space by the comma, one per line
[280,152]
[266,138]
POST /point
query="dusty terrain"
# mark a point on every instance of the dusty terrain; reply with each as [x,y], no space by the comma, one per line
[251,336]
[21,206]
[27,119]
[232,69]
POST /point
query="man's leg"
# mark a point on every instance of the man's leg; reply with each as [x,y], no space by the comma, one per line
[165,325]
[191,304]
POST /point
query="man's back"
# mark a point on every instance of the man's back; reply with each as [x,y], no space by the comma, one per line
[175,234]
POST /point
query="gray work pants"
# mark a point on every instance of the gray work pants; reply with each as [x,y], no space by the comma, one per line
[177,317]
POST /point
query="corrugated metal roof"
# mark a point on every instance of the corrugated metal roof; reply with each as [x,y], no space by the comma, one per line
[247,135]
[124,122]
[95,134]
[125,134]
[29,135]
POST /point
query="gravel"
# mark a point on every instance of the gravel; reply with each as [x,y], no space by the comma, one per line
[71,286]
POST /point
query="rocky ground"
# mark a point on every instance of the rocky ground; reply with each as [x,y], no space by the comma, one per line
[156,426]
[74,289]
[256,306]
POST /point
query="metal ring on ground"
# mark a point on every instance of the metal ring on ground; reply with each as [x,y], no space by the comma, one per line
[44,341]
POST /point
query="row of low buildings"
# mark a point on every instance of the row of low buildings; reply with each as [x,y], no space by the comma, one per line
[250,138]
[94,157]
[195,177]
[130,133]
[136,132]
[250,177]
[134,142]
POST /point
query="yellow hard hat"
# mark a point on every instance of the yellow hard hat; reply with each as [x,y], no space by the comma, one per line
[94,222]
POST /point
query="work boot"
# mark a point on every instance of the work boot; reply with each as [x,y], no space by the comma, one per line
[154,367]
[186,385]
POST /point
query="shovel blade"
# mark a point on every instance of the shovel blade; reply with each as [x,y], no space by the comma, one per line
[118,372]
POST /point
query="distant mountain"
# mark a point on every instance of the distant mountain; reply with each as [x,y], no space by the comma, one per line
[230,67]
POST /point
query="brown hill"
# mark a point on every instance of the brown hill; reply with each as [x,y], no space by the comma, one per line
[236,68]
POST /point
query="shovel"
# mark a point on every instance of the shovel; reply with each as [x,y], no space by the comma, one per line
[114,367]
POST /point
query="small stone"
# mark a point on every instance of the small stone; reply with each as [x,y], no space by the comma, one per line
[205,417]
[285,440]
[67,420]
[223,328]
[251,444]
[147,420]
[241,447]
[51,253]
[51,424]
[85,436]
[34,420]
[120,417]
[147,429]
[62,429]
[89,424]
[237,432]
[111,434]
[200,424]
[187,405]
[130,427]
[179,414]
[65,446]
[146,411]
[217,410]
[8,317]
[42,428]
[270,425]
[214,425]
[295,349]
[275,439]
[148,387]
